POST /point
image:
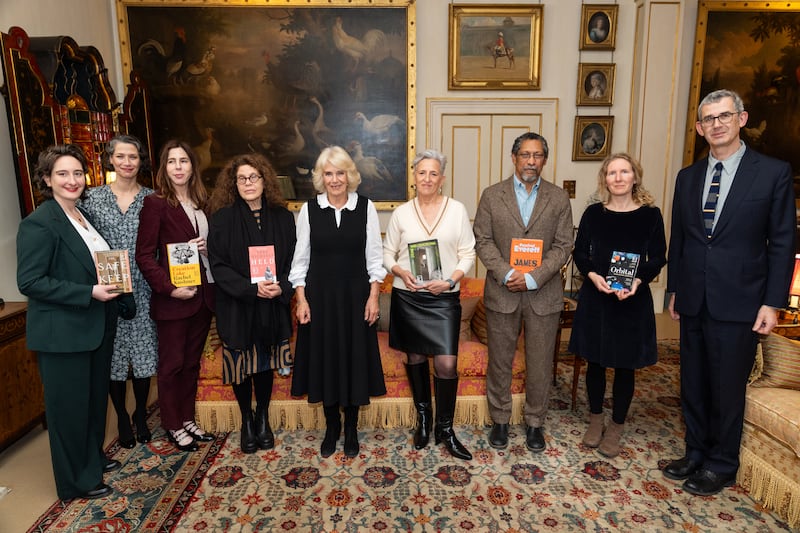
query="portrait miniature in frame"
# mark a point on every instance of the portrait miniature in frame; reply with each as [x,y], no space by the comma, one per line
[599,26]
[592,138]
[596,84]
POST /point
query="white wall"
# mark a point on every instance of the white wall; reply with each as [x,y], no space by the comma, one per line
[96,25]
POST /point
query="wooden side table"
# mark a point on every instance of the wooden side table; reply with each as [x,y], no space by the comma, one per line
[22,405]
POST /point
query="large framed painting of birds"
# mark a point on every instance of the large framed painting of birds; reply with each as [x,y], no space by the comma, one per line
[752,48]
[284,79]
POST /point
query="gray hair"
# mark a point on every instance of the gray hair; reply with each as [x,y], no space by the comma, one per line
[716,96]
[428,153]
[144,156]
[530,136]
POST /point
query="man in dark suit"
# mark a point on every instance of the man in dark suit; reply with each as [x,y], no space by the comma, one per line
[522,206]
[730,262]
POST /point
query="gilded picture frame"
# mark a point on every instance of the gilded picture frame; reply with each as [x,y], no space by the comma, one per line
[766,40]
[595,84]
[599,26]
[496,47]
[592,138]
[286,80]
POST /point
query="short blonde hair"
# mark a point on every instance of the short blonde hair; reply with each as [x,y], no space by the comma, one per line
[640,195]
[338,157]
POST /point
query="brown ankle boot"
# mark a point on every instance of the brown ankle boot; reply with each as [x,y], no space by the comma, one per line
[594,433]
[609,446]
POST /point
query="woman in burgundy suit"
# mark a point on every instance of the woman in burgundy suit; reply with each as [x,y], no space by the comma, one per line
[175,214]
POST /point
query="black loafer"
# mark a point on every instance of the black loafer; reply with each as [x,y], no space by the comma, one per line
[534,439]
[681,469]
[100,491]
[498,436]
[707,483]
[111,465]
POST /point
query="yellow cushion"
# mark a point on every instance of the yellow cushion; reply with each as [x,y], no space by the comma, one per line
[775,411]
[468,306]
[781,363]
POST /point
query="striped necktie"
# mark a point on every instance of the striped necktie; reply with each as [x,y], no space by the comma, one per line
[711,200]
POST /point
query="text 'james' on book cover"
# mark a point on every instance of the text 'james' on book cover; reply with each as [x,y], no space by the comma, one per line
[526,254]
[114,268]
[184,264]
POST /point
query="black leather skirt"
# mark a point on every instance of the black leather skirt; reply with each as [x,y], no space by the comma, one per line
[423,323]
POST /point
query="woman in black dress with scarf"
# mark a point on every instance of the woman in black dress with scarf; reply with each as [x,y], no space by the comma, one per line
[615,328]
[336,271]
[253,318]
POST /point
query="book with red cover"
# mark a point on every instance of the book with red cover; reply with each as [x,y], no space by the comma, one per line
[526,254]
[262,263]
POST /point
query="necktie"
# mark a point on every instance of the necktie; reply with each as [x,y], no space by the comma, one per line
[710,208]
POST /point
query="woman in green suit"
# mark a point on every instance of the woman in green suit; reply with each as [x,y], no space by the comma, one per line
[72,321]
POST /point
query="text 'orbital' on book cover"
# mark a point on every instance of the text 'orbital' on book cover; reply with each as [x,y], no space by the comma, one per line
[262,263]
[622,270]
[526,254]
[184,264]
[426,264]
[114,268]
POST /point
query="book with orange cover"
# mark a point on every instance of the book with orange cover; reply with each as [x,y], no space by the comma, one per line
[526,254]
[114,268]
[184,264]
[262,263]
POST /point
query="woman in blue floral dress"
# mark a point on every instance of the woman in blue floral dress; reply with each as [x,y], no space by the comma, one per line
[114,210]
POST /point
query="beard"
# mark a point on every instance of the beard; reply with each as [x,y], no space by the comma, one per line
[530,175]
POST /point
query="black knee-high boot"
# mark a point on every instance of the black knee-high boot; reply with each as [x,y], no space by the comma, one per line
[333,428]
[244,392]
[116,391]
[263,386]
[420,381]
[141,390]
[351,431]
[445,409]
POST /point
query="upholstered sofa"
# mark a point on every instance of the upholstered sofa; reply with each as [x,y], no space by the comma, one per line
[770,451]
[217,409]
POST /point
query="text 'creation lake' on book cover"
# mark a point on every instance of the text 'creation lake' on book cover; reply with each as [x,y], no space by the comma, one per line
[114,268]
[526,254]
[426,265]
[184,264]
[622,270]
[262,263]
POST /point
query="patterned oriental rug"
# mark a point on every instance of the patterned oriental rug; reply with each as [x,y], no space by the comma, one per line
[392,487]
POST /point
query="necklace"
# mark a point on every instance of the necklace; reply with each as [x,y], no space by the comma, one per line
[421,219]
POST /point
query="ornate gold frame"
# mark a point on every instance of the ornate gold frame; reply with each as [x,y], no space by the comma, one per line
[600,127]
[585,71]
[408,126]
[607,15]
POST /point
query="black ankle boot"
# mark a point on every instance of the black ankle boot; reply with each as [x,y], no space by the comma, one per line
[333,428]
[351,431]
[264,437]
[420,381]
[141,390]
[117,391]
[248,437]
[445,408]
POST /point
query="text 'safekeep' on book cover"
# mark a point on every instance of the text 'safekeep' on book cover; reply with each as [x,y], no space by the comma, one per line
[622,270]
[114,268]
[526,254]
[262,263]
[426,264]
[184,264]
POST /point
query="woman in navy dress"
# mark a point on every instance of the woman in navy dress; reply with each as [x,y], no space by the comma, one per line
[336,272]
[615,328]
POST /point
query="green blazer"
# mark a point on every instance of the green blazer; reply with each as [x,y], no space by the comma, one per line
[56,271]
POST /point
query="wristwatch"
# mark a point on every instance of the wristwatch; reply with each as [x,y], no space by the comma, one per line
[452,283]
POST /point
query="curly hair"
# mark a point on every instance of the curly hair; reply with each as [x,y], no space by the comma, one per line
[47,160]
[164,186]
[226,191]
[640,195]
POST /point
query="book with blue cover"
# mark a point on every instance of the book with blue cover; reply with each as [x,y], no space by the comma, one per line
[622,270]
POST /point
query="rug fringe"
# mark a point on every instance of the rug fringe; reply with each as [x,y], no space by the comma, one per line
[381,413]
[770,486]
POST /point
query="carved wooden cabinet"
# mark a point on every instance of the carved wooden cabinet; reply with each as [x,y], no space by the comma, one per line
[22,405]
[58,92]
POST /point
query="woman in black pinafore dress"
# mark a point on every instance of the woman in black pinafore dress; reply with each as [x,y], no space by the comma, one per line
[337,271]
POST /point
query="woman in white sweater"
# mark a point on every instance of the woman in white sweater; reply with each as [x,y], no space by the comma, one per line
[429,246]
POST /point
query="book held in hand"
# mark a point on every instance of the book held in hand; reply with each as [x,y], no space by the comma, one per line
[426,265]
[184,264]
[262,263]
[622,270]
[526,254]
[114,268]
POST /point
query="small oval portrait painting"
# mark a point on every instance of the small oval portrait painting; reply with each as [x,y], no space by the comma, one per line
[599,26]
[595,85]
[593,138]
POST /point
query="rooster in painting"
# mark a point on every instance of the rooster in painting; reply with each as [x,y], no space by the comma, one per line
[171,65]
[357,49]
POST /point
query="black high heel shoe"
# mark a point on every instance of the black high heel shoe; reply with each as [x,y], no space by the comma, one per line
[125,439]
[143,434]
[196,433]
[178,436]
